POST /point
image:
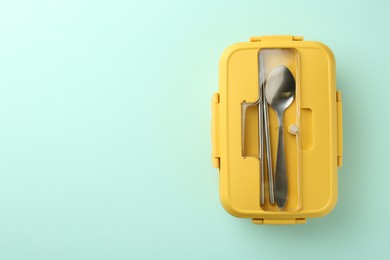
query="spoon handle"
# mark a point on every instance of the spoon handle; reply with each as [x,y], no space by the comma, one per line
[281,172]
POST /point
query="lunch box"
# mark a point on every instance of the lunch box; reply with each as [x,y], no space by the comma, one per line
[277,130]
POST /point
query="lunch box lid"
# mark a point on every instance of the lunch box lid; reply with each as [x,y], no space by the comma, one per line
[321,121]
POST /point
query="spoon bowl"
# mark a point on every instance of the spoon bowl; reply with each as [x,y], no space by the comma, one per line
[280,88]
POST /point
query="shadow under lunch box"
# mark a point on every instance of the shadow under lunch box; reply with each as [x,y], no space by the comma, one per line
[277,130]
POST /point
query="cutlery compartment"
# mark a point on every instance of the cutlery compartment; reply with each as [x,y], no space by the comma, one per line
[254,124]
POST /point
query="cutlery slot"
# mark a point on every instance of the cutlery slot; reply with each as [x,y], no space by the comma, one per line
[259,120]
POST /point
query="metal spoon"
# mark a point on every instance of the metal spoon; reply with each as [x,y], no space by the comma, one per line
[280,93]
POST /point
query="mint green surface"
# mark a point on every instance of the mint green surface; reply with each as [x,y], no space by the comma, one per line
[105,129]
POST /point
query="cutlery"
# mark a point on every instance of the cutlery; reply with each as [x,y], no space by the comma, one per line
[280,93]
[265,131]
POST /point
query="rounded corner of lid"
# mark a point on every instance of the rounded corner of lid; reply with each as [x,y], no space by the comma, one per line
[327,208]
[230,208]
[327,50]
[229,51]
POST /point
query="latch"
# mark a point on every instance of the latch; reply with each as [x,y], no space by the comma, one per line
[286,221]
[339,129]
[276,38]
[215,130]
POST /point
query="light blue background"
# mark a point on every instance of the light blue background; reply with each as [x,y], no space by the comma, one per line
[105,140]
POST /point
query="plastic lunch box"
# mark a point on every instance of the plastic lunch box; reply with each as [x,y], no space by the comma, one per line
[245,130]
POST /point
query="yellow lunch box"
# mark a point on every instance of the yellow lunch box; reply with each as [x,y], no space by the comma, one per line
[277,130]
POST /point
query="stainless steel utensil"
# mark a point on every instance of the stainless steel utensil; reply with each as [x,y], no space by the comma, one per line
[261,145]
[280,93]
[268,150]
[263,108]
